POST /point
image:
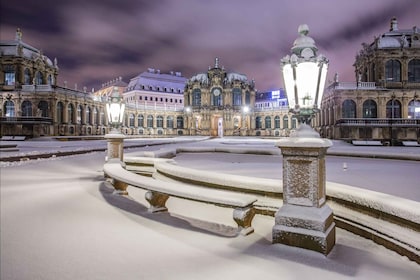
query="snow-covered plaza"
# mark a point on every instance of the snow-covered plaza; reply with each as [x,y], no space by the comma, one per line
[61,220]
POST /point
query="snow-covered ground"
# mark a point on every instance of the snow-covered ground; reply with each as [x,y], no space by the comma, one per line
[60,220]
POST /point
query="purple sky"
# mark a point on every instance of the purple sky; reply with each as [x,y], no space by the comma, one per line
[98,40]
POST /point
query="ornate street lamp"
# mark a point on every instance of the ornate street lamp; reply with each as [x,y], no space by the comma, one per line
[115,111]
[304,220]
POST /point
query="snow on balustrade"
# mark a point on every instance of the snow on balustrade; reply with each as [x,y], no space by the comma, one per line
[356,85]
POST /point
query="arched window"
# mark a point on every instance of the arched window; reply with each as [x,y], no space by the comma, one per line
[50,79]
[349,109]
[267,122]
[60,112]
[70,113]
[393,71]
[26,108]
[393,109]
[414,109]
[179,122]
[140,120]
[159,121]
[196,97]
[9,75]
[258,122]
[131,120]
[27,77]
[247,98]
[286,121]
[79,114]
[276,122]
[236,97]
[9,108]
[38,78]
[369,109]
[88,115]
[414,71]
[43,109]
[149,121]
[170,122]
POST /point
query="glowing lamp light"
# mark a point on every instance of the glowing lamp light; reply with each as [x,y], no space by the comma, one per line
[304,75]
[115,109]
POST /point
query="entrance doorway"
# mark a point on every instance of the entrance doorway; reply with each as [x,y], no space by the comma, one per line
[217,126]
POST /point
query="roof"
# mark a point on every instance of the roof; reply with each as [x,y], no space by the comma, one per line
[155,81]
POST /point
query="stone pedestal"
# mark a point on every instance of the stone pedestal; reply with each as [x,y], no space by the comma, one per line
[115,145]
[304,220]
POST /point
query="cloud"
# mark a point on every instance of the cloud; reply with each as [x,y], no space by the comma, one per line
[99,40]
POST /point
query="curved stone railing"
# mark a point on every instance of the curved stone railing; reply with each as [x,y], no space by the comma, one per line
[387,220]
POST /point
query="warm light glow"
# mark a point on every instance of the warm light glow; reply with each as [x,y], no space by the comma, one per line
[115,112]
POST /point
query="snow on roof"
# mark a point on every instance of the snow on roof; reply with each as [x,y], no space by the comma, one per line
[236,76]
[154,80]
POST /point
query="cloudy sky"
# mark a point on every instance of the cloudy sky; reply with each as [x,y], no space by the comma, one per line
[98,40]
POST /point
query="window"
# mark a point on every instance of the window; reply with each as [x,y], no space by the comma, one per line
[196,97]
[414,71]
[216,100]
[349,109]
[247,98]
[294,123]
[9,108]
[149,121]
[276,122]
[9,75]
[258,122]
[393,109]
[414,109]
[179,122]
[235,123]
[393,71]
[267,122]
[38,79]
[369,109]
[43,109]
[170,122]
[286,121]
[70,113]
[26,108]
[95,116]
[79,114]
[50,79]
[159,121]
[27,77]
[60,112]
[236,97]
[88,115]
[131,120]
[140,119]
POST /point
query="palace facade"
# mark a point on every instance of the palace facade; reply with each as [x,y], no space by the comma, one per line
[384,104]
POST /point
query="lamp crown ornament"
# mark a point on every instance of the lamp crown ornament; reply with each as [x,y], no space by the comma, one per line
[304,75]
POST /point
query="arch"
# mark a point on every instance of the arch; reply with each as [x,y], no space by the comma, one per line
[60,112]
[267,122]
[26,77]
[39,78]
[349,109]
[96,119]
[140,121]
[9,108]
[170,122]
[88,115]
[286,121]
[149,121]
[79,114]
[414,71]
[43,109]
[159,121]
[369,109]
[393,109]
[131,120]
[393,70]
[70,113]
[196,97]
[414,109]
[236,97]
[276,122]
[258,122]
[26,108]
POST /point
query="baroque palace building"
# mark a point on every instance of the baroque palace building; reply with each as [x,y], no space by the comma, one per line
[384,104]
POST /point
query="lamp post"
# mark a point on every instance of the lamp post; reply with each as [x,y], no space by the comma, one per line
[115,112]
[304,220]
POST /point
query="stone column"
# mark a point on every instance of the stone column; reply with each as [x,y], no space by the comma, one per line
[304,220]
[115,145]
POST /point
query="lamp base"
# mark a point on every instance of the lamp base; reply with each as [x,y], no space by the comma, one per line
[305,227]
